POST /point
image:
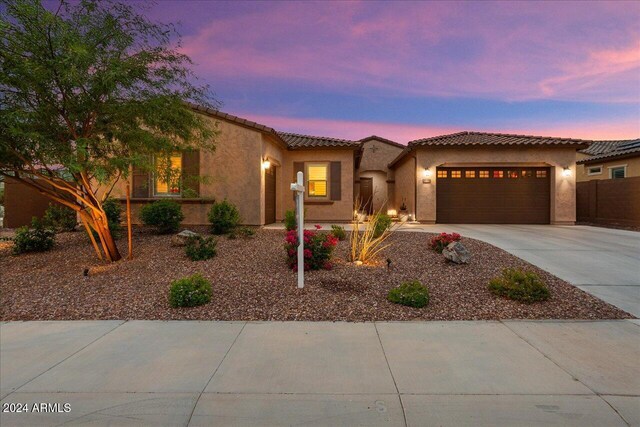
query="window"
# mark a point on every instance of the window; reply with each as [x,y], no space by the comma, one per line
[442,174]
[541,174]
[527,173]
[469,174]
[512,174]
[594,170]
[616,172]
[483,174]
[498,174]
[167,176]
[456,174]
[317,174]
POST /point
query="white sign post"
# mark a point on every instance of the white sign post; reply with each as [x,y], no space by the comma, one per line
[298,187]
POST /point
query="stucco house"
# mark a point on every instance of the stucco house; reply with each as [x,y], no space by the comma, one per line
[466,177]
[609,160]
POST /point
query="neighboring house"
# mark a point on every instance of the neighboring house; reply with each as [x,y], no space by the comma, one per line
[475,177]
[609,160]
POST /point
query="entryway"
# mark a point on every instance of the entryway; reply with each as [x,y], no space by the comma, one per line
[270,195]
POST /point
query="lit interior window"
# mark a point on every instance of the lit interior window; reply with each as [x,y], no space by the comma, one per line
[498,174]
[541,174]
[527,174]
[483,174]
[469,174]
[317,180]
[167,176]
[512,174]
[456,174]
[442,174]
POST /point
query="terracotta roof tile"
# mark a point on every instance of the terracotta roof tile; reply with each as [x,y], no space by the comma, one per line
[297,141]
[483,138]
[603,150]
[385,140]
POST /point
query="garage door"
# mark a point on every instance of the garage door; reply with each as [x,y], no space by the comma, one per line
[492,195]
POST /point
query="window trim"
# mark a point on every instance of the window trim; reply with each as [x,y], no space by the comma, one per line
[611,168]
[595,173]
[154,193]
[308,196]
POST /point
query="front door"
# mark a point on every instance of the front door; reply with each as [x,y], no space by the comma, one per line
[270,195]
[366,194]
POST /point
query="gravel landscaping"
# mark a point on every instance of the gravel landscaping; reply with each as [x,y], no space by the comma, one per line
[252,282]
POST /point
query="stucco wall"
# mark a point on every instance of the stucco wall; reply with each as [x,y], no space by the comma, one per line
[380,189]
[376,155]
[633,168]
[339,210]
[404,186]
[563,207]
[275,153]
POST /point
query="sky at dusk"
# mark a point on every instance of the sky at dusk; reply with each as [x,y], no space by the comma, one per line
[417,69]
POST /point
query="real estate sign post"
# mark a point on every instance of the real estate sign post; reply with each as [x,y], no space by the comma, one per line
[298,187]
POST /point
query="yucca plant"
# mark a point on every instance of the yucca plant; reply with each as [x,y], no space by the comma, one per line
[367,240]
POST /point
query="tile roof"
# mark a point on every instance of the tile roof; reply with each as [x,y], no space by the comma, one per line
[385,140]
[601,150]
[235,119]
[486,138]
[297,141]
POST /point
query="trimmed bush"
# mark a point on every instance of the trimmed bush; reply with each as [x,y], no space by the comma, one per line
[164,215]
[246,232]
[338,232]
[113,209]
[519,285]
[224,217]
[199,248]
[36,238]
[412,294]
[442,240]
[60,218]
[290,220]
[318,249]
[190,291]
[383,223]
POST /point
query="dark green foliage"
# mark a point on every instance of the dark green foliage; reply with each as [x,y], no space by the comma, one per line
[60,218]
[190,291]
[36,238]
[339,232]
[383,223]
[224,217]
[165,215]
[412,294]
[290,220]
[113,209]
[199,248]
[246,231]
[519,285]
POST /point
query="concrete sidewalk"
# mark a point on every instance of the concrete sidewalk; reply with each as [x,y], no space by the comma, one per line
[179,373]
[602,261]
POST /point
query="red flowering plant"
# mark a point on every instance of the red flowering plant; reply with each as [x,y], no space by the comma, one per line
[439,242]
[318,249]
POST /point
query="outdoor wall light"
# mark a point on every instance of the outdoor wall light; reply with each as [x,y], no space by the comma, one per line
[566,172]
[426,173]
[266,164]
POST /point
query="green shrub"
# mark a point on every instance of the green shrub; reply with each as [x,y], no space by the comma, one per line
[164,215]
[383,223]
[199,248]
[60,218]
[290,220]
[113,210]
[36,238]
[190,291]
[524,286]
[246,231]
[338,232]
[412,294]
[1,196]
[224,217]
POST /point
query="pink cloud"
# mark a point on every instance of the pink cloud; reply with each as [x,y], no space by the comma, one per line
[512,51]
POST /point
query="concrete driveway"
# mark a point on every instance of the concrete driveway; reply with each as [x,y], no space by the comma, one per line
[602,261]
[179,373]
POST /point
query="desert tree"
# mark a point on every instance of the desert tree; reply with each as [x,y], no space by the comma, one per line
[89,90]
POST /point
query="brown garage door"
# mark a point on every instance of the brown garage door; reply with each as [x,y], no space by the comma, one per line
[492,195]
[270,195]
